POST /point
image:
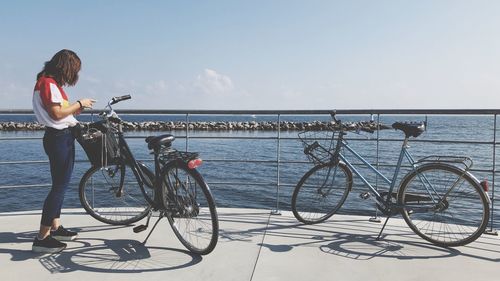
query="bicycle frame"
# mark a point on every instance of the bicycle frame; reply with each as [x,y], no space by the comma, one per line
[128,158]
[404,153]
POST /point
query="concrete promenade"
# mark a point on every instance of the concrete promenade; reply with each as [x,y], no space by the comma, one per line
[253,245]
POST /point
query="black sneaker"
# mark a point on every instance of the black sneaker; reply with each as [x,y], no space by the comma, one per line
[62,234]
[47,245]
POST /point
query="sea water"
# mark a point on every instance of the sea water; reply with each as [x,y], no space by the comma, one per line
[240,166]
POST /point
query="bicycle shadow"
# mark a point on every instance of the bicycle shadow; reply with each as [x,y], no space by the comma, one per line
[100,255]
[342,238]
[366,247]
[119,256]
[333,237]
[243,227]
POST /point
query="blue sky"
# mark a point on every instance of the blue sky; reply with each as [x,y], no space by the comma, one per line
[260,54]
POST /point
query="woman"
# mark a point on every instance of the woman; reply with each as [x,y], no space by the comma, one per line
[53,109]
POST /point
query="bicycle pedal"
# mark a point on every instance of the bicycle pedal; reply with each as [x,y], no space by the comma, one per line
[364,195]
[140,228]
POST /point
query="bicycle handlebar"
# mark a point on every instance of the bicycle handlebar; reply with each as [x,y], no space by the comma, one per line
[119,99]
[109,113]
[333,113]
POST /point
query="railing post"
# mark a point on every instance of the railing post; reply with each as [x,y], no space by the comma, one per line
[277,210]
[187,131]
[376,217]
[492,231]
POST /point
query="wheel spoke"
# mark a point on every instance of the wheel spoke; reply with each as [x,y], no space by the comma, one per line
[321,192]
[99,195]
[194,217]
[461,214]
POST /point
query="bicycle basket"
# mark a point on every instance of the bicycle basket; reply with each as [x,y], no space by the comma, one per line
[318,145]
[100,144]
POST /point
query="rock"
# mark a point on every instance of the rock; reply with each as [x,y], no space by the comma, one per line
[368,126]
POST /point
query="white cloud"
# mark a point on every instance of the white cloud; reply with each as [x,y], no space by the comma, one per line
[157,87]
[209,89]
[211,82]
[90,79]
[15,95]
[124,85]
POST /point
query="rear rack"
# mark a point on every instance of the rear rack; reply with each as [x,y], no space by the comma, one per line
[171,155]
[463,160]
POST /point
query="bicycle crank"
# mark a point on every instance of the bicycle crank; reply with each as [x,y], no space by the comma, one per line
[143,227]
[441,206]
[387,209]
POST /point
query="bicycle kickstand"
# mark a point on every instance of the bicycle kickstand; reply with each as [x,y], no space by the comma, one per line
[383,227]
[154,226]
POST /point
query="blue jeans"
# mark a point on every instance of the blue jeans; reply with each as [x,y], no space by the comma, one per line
[59,145]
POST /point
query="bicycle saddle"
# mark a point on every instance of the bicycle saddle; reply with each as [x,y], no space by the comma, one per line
[157,141]
[411,129]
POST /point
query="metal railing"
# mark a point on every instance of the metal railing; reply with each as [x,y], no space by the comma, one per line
[278,162]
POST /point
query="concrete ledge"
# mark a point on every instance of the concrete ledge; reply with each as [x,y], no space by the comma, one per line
[253,245]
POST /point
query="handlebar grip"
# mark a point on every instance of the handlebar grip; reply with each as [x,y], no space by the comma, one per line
[119,99]
[333,115]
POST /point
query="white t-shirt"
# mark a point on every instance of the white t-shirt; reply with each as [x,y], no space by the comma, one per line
[47,92]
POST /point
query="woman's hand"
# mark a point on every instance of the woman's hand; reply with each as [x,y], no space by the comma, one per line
[84,103]
[87,103]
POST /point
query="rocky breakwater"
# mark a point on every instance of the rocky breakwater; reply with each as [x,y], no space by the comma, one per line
[368,126]
[21,126]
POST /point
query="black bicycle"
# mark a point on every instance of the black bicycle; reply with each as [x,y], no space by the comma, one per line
[119,190]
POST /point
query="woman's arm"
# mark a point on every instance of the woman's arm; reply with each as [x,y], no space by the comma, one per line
[57,112]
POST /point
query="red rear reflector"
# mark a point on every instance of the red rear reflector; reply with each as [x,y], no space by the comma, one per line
[484,185]
[195,163]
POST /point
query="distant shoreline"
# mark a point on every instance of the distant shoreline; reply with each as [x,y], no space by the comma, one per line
[211,126]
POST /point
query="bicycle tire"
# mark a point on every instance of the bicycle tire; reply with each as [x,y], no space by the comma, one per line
[190,207]
[97,193]
[457,220]
[310,206]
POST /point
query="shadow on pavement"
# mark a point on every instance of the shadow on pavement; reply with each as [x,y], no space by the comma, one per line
[100,255]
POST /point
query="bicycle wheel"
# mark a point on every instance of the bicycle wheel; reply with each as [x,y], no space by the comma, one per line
[190,207]
[321,192]
[444,205]
[99,194]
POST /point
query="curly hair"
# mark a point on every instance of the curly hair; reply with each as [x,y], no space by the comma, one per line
[63,67]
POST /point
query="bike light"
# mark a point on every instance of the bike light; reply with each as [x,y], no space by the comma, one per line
[484,185]
[195,163]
